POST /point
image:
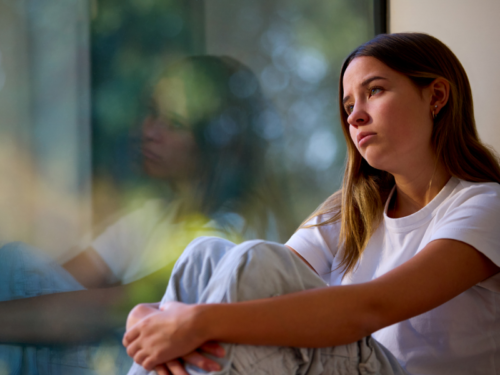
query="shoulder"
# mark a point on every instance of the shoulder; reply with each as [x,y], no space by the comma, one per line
[471,215]
[473,201]
[466,193]
[149,213]
[138,223]
[471,189]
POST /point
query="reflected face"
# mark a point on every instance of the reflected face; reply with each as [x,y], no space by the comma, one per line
[168,146]
[389,117]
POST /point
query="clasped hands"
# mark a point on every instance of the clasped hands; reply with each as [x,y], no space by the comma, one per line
[159,336]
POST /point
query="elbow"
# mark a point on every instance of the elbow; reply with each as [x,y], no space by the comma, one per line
[376,316]
[371,317]
[355,327]
[365,325]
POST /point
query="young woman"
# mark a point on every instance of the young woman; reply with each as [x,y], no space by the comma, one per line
[409,246]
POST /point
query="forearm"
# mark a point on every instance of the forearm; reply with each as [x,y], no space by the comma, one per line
[314,318]
[69,317]
[343,314]
[79,316]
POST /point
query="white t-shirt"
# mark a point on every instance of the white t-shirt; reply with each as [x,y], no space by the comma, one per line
[150,238]
[461,336]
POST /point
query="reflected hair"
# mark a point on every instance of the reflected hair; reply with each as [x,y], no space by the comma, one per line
[226,104]
[359,204]
[223,100]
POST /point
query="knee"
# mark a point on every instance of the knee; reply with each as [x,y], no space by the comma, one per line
[20,250]
[201,256]
[271,269]
[14,256]
[14,253]
[206,247]
[13,248]
[263,254]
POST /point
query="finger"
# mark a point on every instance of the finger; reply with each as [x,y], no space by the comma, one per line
[133,348]
[201,361]
[214,348]
[149,364]
[140,357]
[125,340]
[162,370]
[130,336]
[176,367]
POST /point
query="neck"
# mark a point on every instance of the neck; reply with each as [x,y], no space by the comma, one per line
[188,195]
[415,190]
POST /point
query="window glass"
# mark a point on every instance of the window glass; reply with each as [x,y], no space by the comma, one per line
[130,127]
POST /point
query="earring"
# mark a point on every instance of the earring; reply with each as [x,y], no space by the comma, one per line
[434,114]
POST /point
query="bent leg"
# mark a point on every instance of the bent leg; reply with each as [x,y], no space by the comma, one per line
[27,272]
[194,269]
[216,271]
[190,276]
[213,270]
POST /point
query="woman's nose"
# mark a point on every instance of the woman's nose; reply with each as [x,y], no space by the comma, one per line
[151,129]
[358,117]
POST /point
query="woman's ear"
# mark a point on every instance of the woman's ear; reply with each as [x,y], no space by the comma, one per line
[440,93]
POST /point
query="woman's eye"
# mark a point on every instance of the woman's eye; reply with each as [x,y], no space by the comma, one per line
[176,124]
[375,91]
[349,109]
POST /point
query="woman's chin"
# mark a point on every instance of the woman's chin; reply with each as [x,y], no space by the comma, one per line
[378,163]
[154,171]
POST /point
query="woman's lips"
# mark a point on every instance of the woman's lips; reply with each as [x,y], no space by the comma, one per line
[362,138]
[150,155]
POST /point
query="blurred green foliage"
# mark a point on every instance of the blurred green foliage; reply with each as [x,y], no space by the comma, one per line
[295,47]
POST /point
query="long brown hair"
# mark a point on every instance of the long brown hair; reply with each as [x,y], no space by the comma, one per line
[360,202]
[225,104]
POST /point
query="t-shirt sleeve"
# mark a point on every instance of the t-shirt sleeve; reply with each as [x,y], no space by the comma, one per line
[474,219]
[317,245]
[122,243]
[115,246]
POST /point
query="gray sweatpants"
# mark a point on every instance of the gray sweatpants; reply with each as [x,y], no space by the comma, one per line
[214,270]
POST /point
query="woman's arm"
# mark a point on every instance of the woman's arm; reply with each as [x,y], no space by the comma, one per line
[79,316]
[326,317]
[90,270]
[60,318]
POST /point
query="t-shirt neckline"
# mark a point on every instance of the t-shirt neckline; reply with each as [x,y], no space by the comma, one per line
[420,217]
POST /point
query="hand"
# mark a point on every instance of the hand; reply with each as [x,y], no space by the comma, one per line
[140,312]
[162,335]
[176,367]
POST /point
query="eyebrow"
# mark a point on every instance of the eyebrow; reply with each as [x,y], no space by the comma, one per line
[172,115]
[365,83]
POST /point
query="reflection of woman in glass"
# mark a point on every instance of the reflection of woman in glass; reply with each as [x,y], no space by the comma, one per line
[409,246]
[202,137]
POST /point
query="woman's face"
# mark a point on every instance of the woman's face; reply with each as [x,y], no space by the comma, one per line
[389,117]
[168,146]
